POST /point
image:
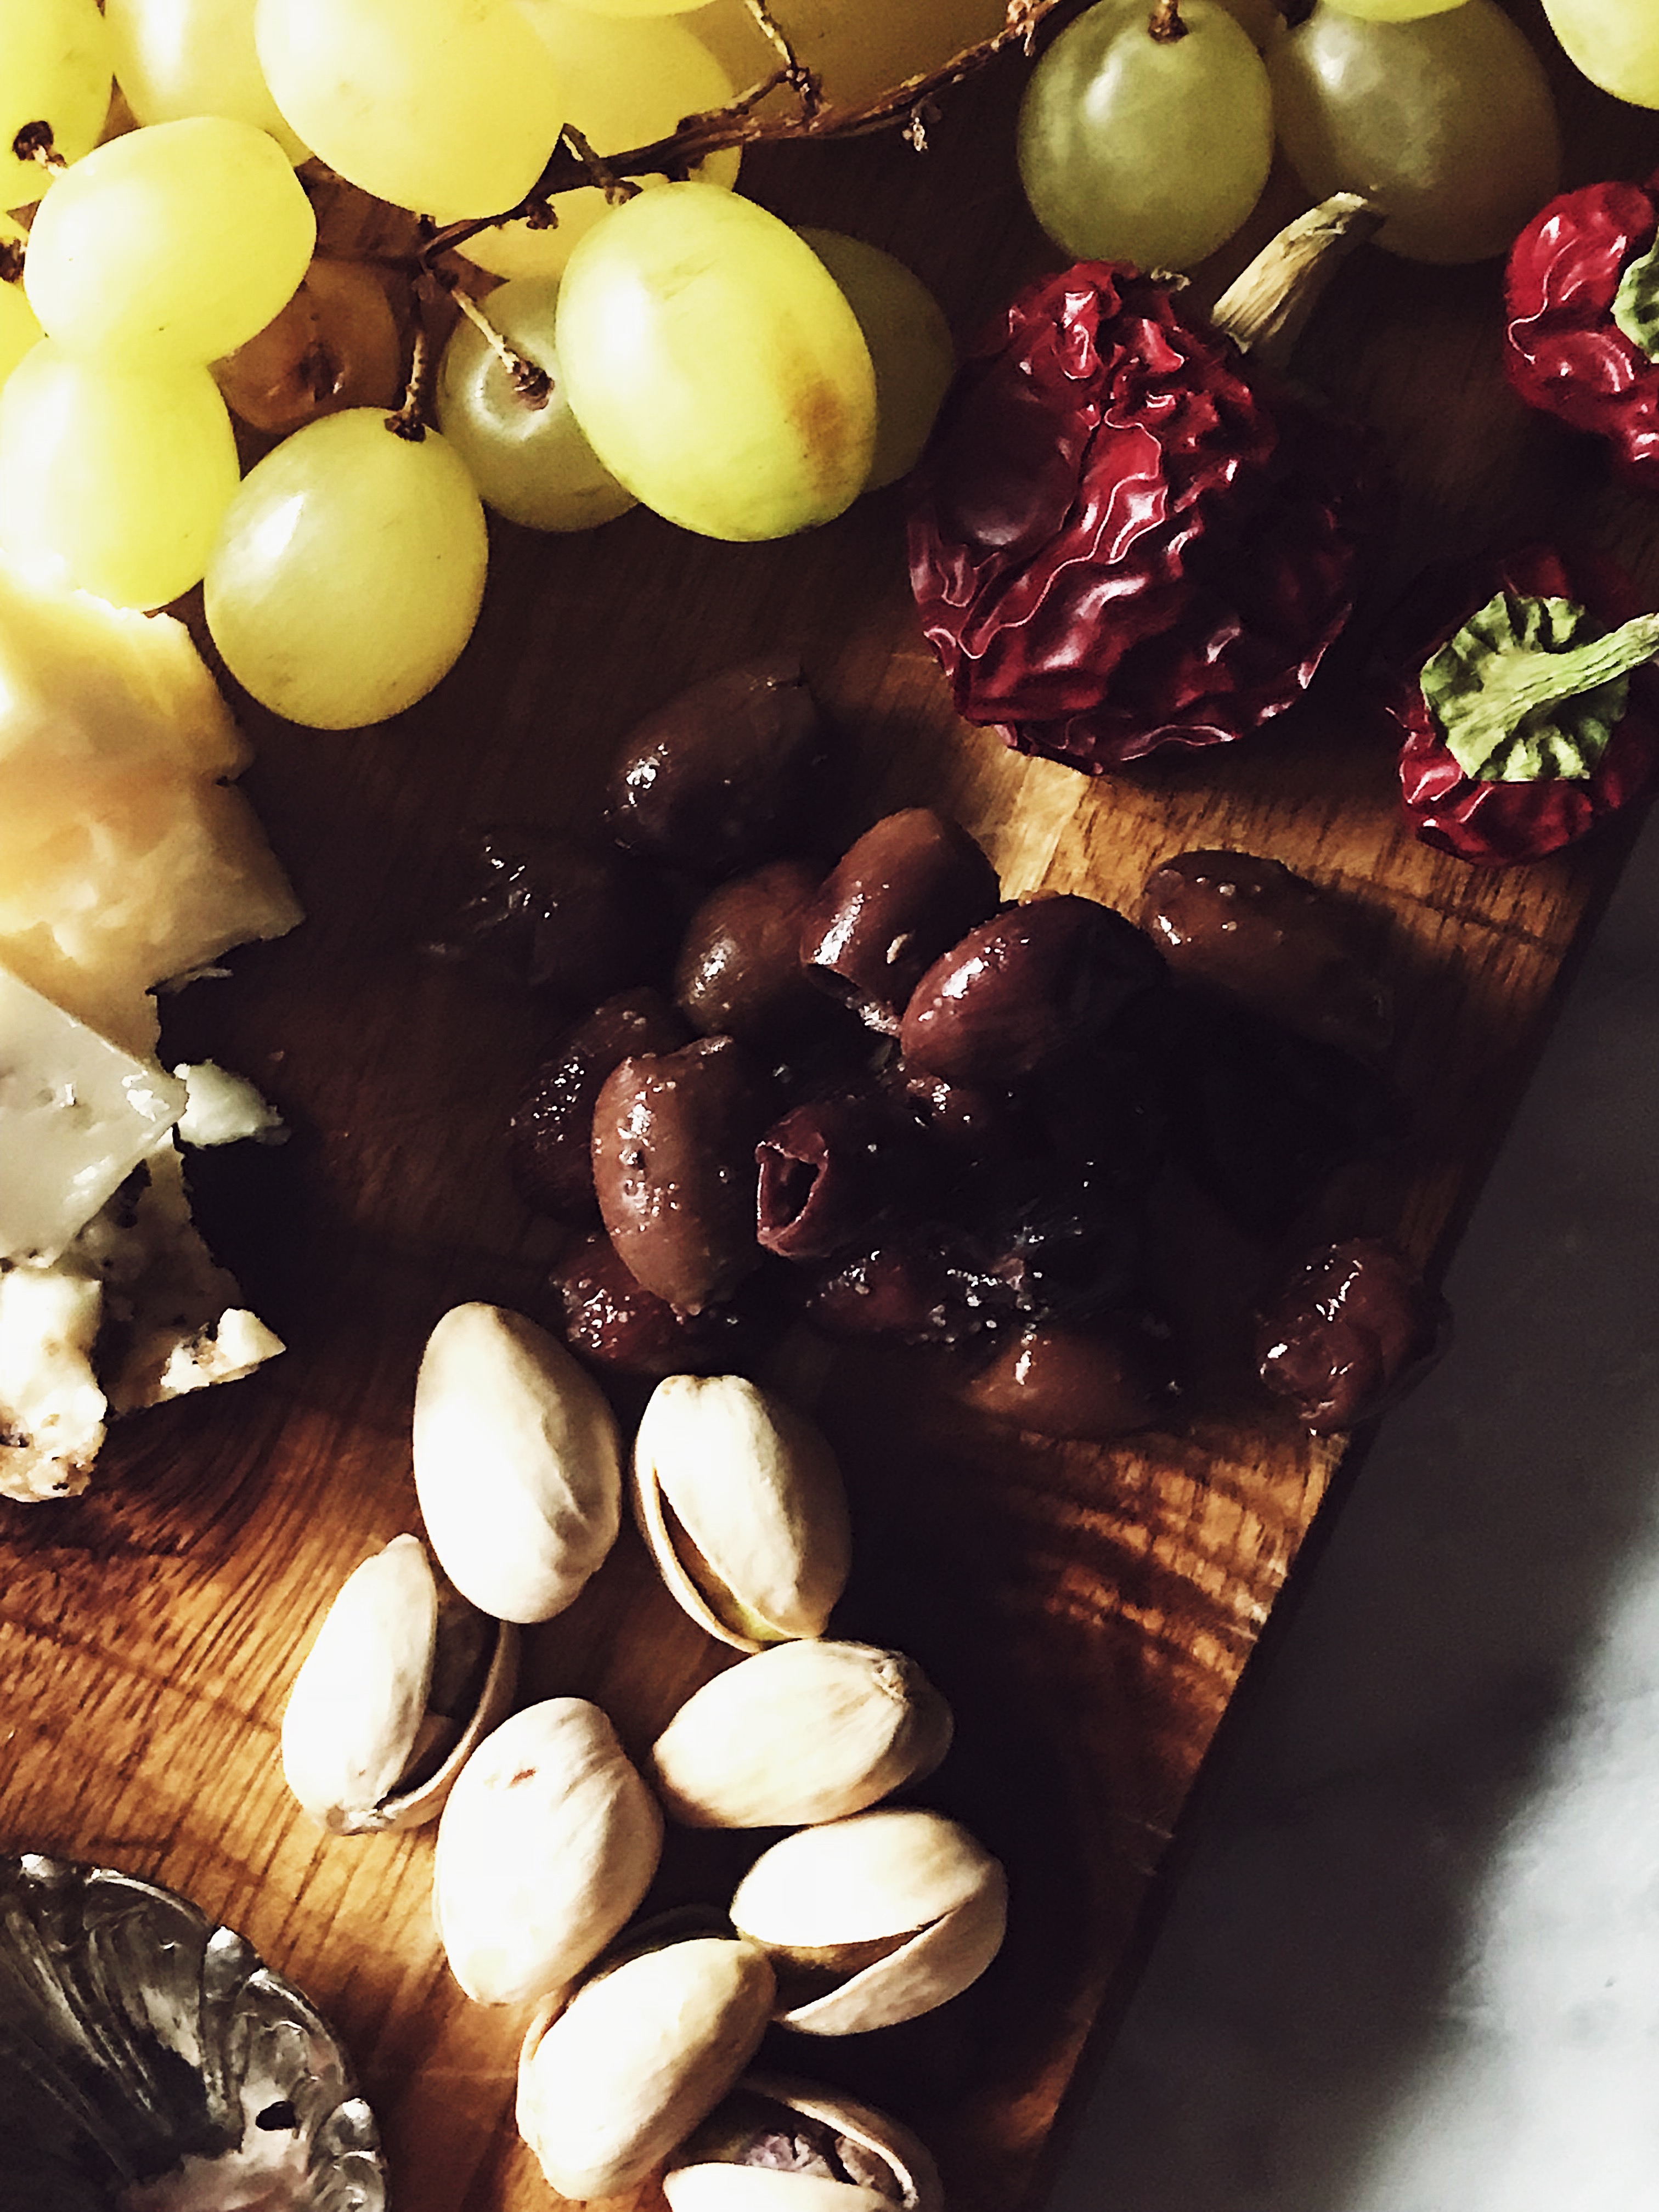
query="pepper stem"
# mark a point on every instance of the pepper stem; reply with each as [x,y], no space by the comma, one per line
[1520,681]
[1264,309]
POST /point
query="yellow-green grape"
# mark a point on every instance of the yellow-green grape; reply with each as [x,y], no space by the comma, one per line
[1142,147]
[123,475]
[522,448]
[626,83]
[175,243]
[1447,123]
[858,47]
[909,342]
[450,107]
[1393,11]
[715,366]
[179,58]
[1614,42]
[19,327]
[55,70]
[349,572]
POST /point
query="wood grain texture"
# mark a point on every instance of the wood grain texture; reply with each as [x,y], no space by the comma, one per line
[1088,1612]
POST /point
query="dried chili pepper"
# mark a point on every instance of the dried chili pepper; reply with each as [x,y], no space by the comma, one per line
[1122,538]
[1533,712]
[1582,336]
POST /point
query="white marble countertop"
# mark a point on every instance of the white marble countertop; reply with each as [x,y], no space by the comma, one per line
[1412,1963]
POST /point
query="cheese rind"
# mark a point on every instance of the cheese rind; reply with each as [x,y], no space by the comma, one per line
[77,1114]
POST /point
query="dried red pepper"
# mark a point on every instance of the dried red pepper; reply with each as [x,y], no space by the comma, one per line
[1531,710]
[1122,536]
[1582,336]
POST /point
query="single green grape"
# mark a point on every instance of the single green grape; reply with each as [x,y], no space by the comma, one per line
[348,571]
[55,69]
[352,76]
[176,242]
[1447,123]
[715,366]
[1614,42]
[1139,147]
[523,450]
[626,82]
[909,342]
[175,58]
[123,475]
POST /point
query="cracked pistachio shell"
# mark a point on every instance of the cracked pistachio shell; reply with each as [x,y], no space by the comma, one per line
[710,2174]
[803,1732]
[547,1844]
[379,1699]
[517,1463]
[617,2073]
[741,1501]
[911,1888]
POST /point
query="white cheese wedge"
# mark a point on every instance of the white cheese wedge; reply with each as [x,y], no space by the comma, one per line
[77,1114]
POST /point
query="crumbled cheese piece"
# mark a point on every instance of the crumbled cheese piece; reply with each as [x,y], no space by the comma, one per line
[77,1114]
[223,1109]
[51,1410]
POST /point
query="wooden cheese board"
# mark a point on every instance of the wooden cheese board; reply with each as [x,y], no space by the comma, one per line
[1089,1611]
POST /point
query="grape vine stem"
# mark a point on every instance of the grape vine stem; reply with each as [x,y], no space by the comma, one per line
[756,118]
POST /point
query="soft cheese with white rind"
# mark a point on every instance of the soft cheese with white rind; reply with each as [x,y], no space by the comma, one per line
[77,1114]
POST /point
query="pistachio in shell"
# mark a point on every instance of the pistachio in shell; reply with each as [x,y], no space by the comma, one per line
[404,1679]
[547,1844]
[518,1463]
[740,1500]
[873,1920]
[799,1734]
[779,2145]
[614,2074]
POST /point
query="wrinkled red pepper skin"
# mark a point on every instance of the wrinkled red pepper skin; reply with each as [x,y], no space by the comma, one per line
[1120,538]
[1563,350]
[1498,825]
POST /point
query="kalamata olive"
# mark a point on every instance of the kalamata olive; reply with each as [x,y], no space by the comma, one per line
[1354,1329]
[1092,1381]
[1026,988]
[549,1137]
[1052,1234]
[830,1168]
[905,891]
[674,1137]
[1252,929]
[739,972]
[974,1125]
[614,1322]
[581,922]
[1260,1117]
[904,1289]
[729,773]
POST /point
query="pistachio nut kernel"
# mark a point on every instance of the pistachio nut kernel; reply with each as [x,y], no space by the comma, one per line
[777,2145]
[404,1672]
[547,1844]
[741,1502]
[873,1920]
[517,1463]
[803,1733]
[614,2074]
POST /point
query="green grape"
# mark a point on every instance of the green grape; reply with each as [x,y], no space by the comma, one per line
[715,366]
[450,107]
[1134,147]
[349,572]
[179,58]
[1393,11]
[1446,123]
[19,326]
[858,47]
[909,342]
[123,475]
[175,243]
[523,451]
[55,69]
[626,83]
[1614,42]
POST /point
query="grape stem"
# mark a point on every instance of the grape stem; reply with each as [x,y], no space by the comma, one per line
[11,261]
[409,420]
[753,120]
[1165,24]
[534,384]
[34,142]
[616,190]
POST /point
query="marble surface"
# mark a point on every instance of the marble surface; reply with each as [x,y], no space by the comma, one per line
[1411,1963]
